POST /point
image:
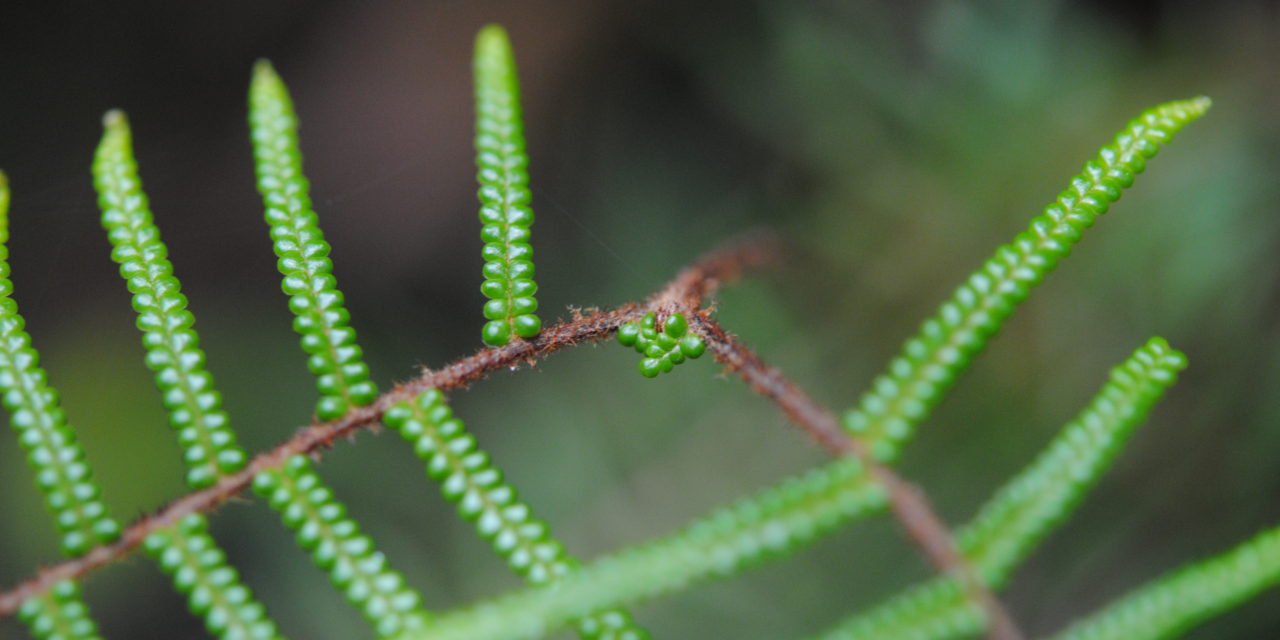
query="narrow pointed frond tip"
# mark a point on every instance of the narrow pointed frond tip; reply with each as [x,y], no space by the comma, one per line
[505,215]
[172,345]
[320,315]
[886,415]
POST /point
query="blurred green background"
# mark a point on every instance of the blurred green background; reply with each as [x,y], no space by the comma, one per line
[893,144]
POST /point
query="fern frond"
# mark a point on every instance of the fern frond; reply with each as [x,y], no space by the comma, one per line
[1041,496]
[342,377]
[336,544]
[199,568]
[662,349]
[62,474]
[320,317]
[59,614]
[1028,507]
[185,550]
[1170,605]
[501,164]
[468,479]
[70,493]
[173,351]
[917,378]
[773,523]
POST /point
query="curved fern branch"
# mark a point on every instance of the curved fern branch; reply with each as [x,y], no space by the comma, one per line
[773,523]
[71,495]
[468,479]
[1027,508]
[185,550]
[321,319]
[916,379]
[173,352]
[501,164]
[1170,605]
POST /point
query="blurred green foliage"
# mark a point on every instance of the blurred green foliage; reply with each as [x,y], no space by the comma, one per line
[895,144]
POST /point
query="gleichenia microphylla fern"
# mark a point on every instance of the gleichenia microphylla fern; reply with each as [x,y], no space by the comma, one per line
[773,523]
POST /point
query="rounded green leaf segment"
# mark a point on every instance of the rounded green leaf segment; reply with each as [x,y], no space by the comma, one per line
[663,348]
[337,545]
[213,588]
[505,215]
[70,493]
[59,614]
[321,318]
[173,351]
[470,481]
[917,378]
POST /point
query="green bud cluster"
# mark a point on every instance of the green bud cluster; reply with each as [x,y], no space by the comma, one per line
[917,379]
[173,351]
[505,216]
[336,544]
[199,568]
[320,317]
[662,349]
[469,479]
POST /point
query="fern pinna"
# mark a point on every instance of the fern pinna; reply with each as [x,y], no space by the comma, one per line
[775,522]
[901,397]
[501,164]
[467,476]
[185,550]
[71,495]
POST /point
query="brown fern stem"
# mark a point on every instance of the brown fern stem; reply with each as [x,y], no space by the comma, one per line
[686,293]
[908,504]
[690,287]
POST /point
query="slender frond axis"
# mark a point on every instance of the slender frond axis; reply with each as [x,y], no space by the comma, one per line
[501,164]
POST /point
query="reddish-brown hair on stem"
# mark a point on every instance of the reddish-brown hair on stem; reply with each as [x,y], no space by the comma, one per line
[686,294]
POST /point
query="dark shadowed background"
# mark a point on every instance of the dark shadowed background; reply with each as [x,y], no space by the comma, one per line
[895,144]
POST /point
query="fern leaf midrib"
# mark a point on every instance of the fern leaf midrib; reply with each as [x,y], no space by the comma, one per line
[505,129]
[190,401]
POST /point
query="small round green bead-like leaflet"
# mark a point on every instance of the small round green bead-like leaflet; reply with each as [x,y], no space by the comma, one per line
[662,349]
